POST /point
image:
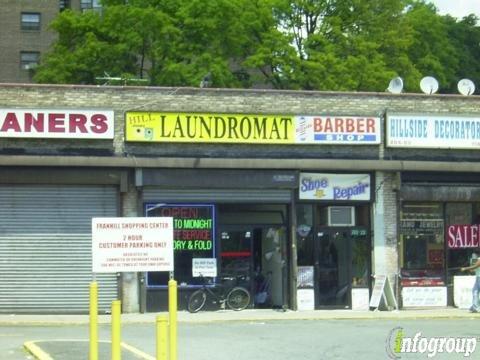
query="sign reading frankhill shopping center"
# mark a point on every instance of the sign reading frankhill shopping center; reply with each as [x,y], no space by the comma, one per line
[432,131]
[132,244]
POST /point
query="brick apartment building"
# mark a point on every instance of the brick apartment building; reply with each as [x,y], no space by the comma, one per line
[25,34]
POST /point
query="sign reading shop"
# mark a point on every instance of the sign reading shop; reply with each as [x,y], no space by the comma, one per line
[342,187]
[253,129]
[422,131]
[56,123]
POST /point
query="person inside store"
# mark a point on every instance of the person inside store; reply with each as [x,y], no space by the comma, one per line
[475,265]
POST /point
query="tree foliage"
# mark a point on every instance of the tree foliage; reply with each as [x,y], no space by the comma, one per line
[354,45]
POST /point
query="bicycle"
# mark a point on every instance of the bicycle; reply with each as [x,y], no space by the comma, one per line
[226,293]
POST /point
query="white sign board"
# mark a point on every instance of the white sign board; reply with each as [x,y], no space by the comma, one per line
[347,187]
[132,244]
[462,291]
[305,299]
[360,299]
[424,296]
[57,123]
[334,129]
[204,267]
[440,132]
[377,291]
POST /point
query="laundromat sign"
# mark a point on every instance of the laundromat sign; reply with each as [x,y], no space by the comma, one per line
[251,128]
[341,187]
[56,123]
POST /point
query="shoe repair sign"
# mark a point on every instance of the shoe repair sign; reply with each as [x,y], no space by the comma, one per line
[132,244]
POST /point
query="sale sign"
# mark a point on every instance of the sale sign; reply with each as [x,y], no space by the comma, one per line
[463,236]
[132,244]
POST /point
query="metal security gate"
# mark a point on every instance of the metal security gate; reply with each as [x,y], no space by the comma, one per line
[271,196]
[45,247]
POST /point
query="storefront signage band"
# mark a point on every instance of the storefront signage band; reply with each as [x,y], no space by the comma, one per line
[341,187]
[463,236]
[56,123]
[251,128]
[441,132]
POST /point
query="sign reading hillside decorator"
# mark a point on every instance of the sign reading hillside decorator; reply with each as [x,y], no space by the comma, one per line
[56,123]
[463,237]
[132,244]
[251,128]
[425,131]
[349,187]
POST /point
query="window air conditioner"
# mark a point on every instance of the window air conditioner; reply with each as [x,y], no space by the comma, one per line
[341,216]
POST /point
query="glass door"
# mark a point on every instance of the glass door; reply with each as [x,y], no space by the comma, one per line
[332,269]
[342,261]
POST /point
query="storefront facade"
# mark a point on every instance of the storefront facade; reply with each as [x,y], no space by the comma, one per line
[311,193]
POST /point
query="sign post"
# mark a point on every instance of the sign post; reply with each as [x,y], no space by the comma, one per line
[382,291]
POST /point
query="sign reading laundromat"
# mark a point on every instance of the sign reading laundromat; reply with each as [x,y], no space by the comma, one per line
[347,187]
[428,131]
[251,128]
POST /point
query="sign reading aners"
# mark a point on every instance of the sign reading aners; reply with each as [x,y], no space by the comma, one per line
[132,244]
[56,123]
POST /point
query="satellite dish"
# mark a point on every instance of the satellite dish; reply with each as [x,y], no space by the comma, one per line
[466,87]
[396,85]
[429,85]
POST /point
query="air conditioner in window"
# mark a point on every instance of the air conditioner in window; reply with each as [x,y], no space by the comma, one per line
[341,216]
[29,66]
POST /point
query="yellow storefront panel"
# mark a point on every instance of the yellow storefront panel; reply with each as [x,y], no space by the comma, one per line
[211,128]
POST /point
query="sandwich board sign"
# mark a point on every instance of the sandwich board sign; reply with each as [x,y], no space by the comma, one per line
[132,244]
[382,290]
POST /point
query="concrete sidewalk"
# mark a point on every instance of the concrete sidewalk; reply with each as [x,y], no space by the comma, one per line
[246,315]
[76,349]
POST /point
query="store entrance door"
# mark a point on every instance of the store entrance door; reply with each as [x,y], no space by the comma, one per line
[257,253]
[342,261]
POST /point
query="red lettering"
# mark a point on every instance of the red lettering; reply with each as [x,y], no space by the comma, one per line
[328,125]
[36,123]
[77,121]
[99,122]
[474,235]
[360,125]
[317,124]
[350,125]
[370,125]
[338,125]
[56,123]
[466,238]
[458,238]
[11,123]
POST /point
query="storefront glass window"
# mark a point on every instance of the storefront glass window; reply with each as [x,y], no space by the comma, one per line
[305,235]
[462,234]
[422,237]
[193,236]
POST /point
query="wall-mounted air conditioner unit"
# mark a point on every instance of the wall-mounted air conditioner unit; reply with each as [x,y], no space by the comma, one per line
[341,216]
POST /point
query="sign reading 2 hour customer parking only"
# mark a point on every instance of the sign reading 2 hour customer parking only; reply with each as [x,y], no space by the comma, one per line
[132,244]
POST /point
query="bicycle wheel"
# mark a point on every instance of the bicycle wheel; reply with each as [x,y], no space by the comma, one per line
[197,301]
[238,298]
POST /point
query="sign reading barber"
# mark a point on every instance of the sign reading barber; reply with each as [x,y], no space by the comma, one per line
[132,244]
[341,187]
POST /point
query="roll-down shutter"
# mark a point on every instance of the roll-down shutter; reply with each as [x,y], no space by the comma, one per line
[281,196]
[45,247]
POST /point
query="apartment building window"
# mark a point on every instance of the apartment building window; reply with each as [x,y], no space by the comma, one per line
[64,4]
[90,5]
[29,59]
[30,21]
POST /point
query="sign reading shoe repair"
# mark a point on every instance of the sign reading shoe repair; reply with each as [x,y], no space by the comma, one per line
[341,187]
[132,244]
[56,123]
[251,128]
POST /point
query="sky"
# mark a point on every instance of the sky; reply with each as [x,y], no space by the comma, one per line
[457,8]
